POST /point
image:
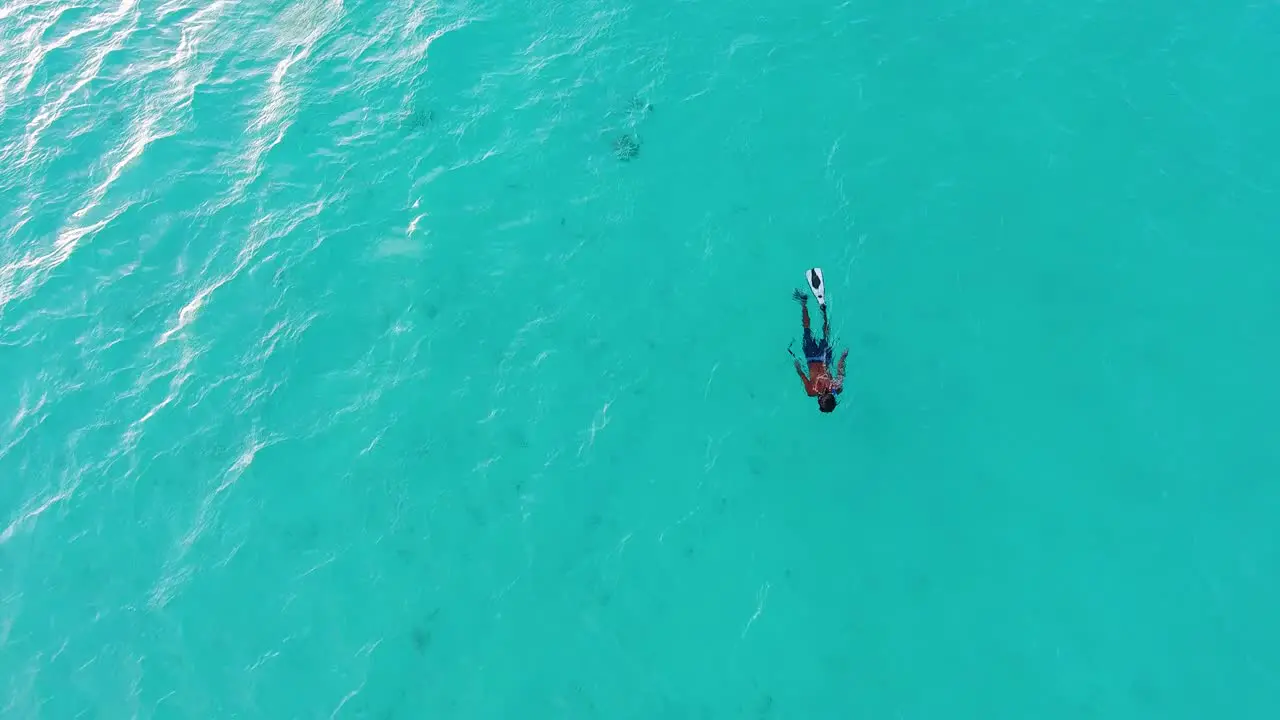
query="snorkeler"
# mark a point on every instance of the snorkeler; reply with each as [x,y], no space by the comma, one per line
[817,353]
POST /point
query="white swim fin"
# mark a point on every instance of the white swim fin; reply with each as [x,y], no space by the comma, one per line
[816,286]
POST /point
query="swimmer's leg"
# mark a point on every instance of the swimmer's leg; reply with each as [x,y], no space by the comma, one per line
[814,350]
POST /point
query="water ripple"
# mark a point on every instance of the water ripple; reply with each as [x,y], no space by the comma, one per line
[194,200]
[122,21]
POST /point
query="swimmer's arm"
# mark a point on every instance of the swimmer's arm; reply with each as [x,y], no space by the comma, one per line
[840,370]
[808,387]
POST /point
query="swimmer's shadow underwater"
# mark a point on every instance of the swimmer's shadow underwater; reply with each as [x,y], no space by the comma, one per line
[415,119]
[626,145]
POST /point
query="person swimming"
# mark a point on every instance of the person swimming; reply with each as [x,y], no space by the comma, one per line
[817,353]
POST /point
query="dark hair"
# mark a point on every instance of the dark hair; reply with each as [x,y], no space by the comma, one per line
[826,402]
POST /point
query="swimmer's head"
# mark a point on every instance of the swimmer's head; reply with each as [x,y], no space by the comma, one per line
[826,402]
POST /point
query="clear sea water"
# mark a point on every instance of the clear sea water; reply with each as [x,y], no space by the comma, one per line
[346,371]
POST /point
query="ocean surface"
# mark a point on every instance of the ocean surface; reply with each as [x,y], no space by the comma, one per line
[427,360]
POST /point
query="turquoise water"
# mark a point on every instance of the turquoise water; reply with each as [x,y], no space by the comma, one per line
[348,372]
